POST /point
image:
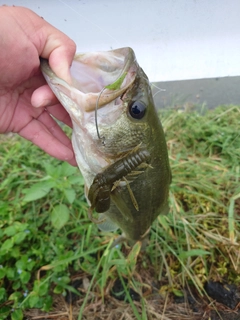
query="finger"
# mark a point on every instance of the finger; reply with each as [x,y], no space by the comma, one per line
[49,42]
[43,97]
[60,113]
[37,133]
[59,50]
[53,127]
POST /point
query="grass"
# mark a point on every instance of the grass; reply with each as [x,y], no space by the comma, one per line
[47,240]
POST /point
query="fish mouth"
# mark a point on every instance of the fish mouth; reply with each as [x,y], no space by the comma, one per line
[96,78]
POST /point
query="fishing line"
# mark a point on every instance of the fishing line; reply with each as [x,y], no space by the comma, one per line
[96,123]
[159,89]
[154,86]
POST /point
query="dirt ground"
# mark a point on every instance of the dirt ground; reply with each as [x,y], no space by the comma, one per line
[225,306]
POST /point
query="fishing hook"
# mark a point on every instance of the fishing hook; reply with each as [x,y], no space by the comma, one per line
[96,123]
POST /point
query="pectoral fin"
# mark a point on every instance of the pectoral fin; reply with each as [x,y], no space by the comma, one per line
[121,205]
[106,224]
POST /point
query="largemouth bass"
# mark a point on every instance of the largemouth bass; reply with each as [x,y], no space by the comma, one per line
[117,138]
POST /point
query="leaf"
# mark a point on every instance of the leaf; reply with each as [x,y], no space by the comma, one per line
[38,190]
[193,252]
[19,237]
[10,273]
[76,179]
[10,231]
[31,264]
[25,276]
[5,311]
[7,245]
[20,264]
[133,255]
[70,194]
[62,280]
[33,300]
[15,227]
[2,294]
[68,170]
[59,216]
[58,289]
[47,303]
[54,171]
[41,288]
[2,272]
[17,315]
[15,296]
[15,252]
[16,285]
[177,292]
[62,170]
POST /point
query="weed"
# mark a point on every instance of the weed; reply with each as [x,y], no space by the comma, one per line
[47,239]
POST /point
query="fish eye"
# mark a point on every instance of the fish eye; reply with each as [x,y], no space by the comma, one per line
[137,109]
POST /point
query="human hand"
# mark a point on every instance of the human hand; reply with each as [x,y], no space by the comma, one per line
[26,102]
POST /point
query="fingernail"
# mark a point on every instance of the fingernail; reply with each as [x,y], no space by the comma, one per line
[63,72]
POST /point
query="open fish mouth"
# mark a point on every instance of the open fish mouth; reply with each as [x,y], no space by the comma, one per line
[93,72]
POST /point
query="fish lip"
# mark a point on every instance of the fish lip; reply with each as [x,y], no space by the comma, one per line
[104,96]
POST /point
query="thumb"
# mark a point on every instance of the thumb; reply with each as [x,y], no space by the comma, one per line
[51,43]
[59,50]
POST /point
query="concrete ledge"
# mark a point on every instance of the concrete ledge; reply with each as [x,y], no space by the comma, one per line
[212,92]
